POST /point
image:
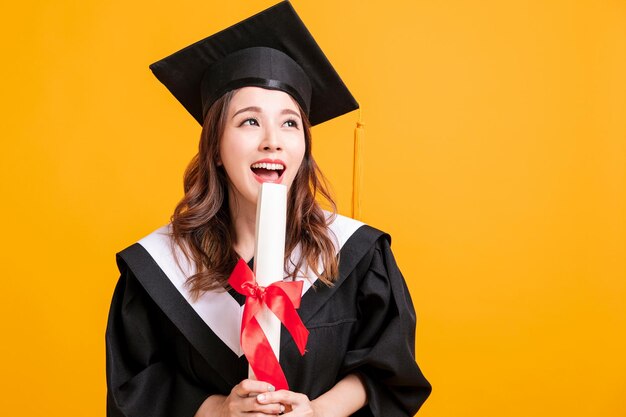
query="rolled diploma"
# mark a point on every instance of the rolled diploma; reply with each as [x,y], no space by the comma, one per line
[269,253]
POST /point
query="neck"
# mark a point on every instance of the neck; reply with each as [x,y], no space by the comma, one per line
[243,217]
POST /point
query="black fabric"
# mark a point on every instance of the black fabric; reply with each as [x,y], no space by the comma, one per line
[162,360]
[258,67]
[140,342]
[272,49]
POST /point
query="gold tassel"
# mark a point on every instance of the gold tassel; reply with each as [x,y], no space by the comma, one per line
[357,172]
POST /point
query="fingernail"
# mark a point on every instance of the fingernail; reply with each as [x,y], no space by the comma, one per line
[260,397]
[271,388]
[282,408]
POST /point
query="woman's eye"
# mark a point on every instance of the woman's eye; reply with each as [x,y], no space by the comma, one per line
[250,122]
[291,123]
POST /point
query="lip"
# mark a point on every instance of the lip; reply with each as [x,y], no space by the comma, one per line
[269,161]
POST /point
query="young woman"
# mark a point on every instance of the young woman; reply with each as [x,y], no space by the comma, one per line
[173,345]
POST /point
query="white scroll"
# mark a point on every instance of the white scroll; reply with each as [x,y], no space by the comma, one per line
[269,253]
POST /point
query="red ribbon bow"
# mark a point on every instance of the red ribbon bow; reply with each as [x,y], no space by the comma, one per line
[282,298]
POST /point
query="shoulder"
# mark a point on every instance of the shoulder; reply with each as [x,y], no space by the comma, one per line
[350,233]
[158,242]
[156,251]
[357,244]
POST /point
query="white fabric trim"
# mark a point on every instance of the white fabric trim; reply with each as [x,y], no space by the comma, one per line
[221,312]
[218,309]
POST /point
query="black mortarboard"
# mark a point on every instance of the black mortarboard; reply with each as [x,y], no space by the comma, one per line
[272,49]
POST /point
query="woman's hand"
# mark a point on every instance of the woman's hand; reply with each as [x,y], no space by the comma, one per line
[344,399]
[242,401]
[295,404]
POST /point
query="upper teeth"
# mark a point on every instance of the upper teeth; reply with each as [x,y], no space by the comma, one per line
[265,165]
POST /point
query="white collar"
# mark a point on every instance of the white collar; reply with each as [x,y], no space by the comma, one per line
[218,309]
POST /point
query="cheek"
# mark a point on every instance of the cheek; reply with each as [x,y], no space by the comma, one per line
[298,159]
[301,158]
[229,151]
[299,151]
[220,151]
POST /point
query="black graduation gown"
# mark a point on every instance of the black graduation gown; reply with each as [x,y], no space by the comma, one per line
[163,360]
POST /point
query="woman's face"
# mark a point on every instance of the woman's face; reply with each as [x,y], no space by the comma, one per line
[263,141]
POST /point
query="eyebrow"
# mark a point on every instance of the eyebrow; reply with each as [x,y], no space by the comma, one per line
[289,111]
[245,109]
[256,109]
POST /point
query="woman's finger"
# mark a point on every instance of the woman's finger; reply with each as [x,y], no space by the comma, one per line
[251,405]
[283,397]
[249,387]
[295,404]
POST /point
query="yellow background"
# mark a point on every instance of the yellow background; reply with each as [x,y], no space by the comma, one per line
[495,156]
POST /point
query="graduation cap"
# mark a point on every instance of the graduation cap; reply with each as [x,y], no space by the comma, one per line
[272,49]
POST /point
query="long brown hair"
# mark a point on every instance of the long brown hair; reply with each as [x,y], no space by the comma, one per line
[203,229]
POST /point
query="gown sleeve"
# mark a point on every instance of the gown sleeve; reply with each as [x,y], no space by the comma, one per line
[141,381]
[383,349]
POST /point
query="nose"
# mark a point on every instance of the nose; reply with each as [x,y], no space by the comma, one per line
[271,140]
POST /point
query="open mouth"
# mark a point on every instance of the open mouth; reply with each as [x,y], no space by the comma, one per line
[267,171]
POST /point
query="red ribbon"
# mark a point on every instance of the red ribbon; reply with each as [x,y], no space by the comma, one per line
[282,298]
